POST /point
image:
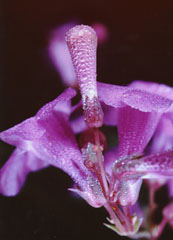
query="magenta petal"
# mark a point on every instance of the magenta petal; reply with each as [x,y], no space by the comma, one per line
[129,192]
[135,129]
[156,88]
[109,158]
[61,104]
[22,133]
[111,94]
[15,170]
[145,101]
[49,136]
[53,142]
[118,96]
[163,138]
[137,210]
[110,115]
[93,195]
[110,97]
[160,89]
[78,125]
[59,147]
[77,121]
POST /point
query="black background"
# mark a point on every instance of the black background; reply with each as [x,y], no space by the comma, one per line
[140,46]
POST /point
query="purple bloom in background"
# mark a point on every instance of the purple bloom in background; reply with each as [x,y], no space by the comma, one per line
[111,178]
[60,55]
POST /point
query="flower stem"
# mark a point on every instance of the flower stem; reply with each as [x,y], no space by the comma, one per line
[114,217]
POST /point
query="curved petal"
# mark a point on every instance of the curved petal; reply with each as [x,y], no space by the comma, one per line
[145,101]
[119,96]
[93,195]
[30,129]
[135,129]
[53,142]
[152,87]
[163,138]
[114,98]
[14,172]
[129,192]
[111,94]
[58,146]
[109,158]
[77,119]
[156,88]
[137,114]
[23,132]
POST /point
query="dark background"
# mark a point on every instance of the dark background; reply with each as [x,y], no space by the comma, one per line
[140,46]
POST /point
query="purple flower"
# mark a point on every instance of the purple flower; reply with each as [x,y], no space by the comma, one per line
[47,139]
[163,137]
[137,116]
[139,111]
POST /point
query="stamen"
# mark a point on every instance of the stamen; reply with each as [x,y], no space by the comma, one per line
[90,158]
[82,44]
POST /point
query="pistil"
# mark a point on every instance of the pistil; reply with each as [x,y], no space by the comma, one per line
[82,44]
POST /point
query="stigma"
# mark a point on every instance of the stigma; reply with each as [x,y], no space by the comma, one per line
[82,44]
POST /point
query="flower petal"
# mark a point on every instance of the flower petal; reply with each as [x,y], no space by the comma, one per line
[152,87]
[93,195]
[16,169]
[111,94]
[53,142]
[135,129]
[129,192]
[59,147]
[145,101]
[163,138]
[23,132]
[119,96]
[109,158]
[30,130]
